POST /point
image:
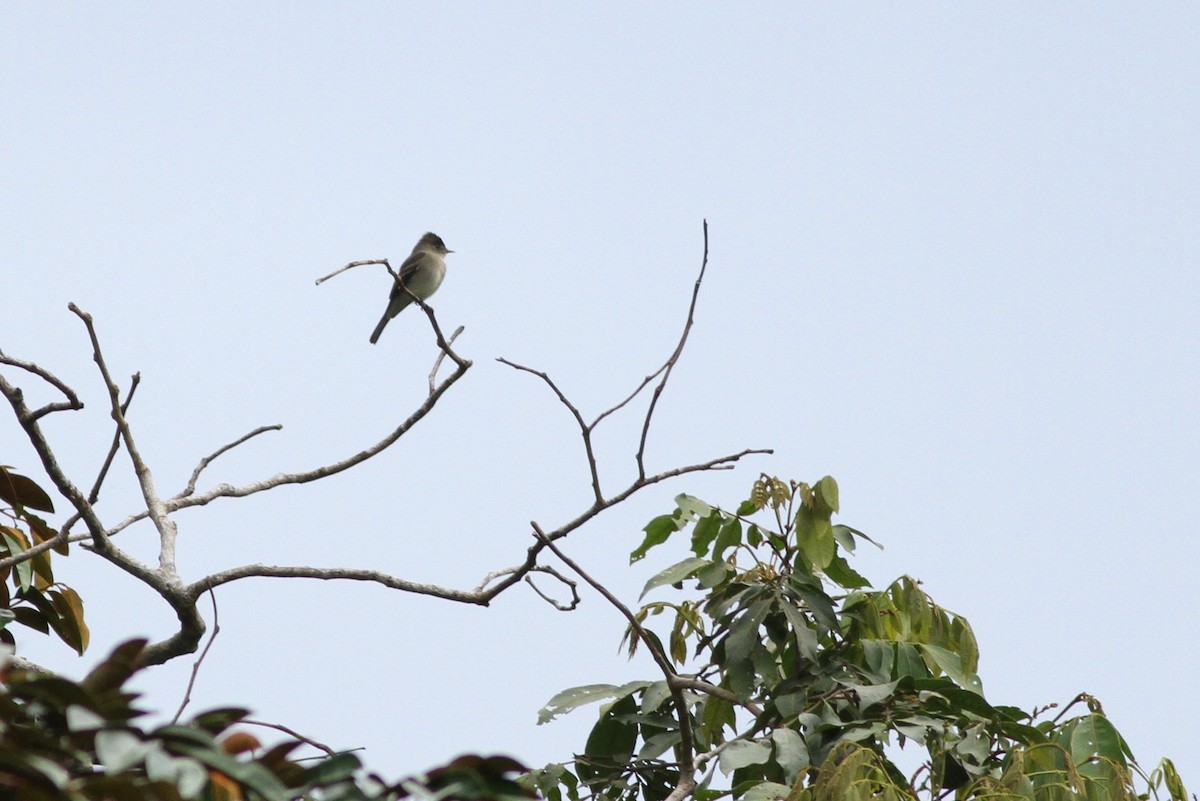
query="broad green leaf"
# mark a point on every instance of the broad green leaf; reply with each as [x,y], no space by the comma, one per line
[658,744]
[575,697]
[611,741]
[22,491]
[766,791]
[815,600]
[879,656]
[740,753]
[15,540]
[718,716]
[815,536]
[730,536]
[790,752]
[654,696]
[747,508]
[909,662]
[335,768]
[744,633]
[840,571]
[705,532]
[675,573]
[825,492]
[951,665]
[870,694]
[1091,736]
[692,508]
[806,638]
[657,531]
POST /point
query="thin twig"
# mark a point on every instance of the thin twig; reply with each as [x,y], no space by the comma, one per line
[559,605]
[437,363]
[670,365]
[72,402]
[290,732]
[94,494]
[158,514]
[384,262]
[216,628]
[207,460]
[585,431]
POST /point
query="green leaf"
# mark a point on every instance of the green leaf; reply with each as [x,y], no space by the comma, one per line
[1091,736]
[14,540]
[744,633]
[22,491]
[658,744]
[657,531]
[825,492]
[806,638]
[909,662]
[692,508]
[815,536]
[576,697]
[871,694]
[675,573]
[790,752]
[729,537]
[951,665]
[839,571]
[336,768]
[740,753]
[766,791]
[705,532]
[611,742]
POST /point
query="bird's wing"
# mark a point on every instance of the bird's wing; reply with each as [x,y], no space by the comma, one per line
[407,269]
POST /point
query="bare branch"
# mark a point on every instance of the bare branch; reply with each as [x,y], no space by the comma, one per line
[340,270]
[94,494]
[560,606]
[216,629]
[72,400]
[670,365]
[181,501]
[154,505]
[437,363]
[585,431]
[207,460]
[291,733]
[330,574]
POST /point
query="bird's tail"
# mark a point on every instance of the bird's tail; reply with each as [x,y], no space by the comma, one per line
[379,328]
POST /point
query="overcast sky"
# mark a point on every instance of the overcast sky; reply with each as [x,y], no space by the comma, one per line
[953,263]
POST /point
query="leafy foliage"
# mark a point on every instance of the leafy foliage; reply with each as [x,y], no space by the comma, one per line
[80,741]
[34,599]
[801,680]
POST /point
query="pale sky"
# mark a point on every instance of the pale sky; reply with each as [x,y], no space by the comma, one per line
[953,263]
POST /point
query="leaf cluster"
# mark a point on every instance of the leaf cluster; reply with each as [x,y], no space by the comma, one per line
[62,740]
[801,680]
[29,594]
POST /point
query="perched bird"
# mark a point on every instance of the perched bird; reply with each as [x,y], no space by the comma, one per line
[422,273]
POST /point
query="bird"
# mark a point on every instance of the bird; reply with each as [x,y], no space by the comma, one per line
[421,273]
